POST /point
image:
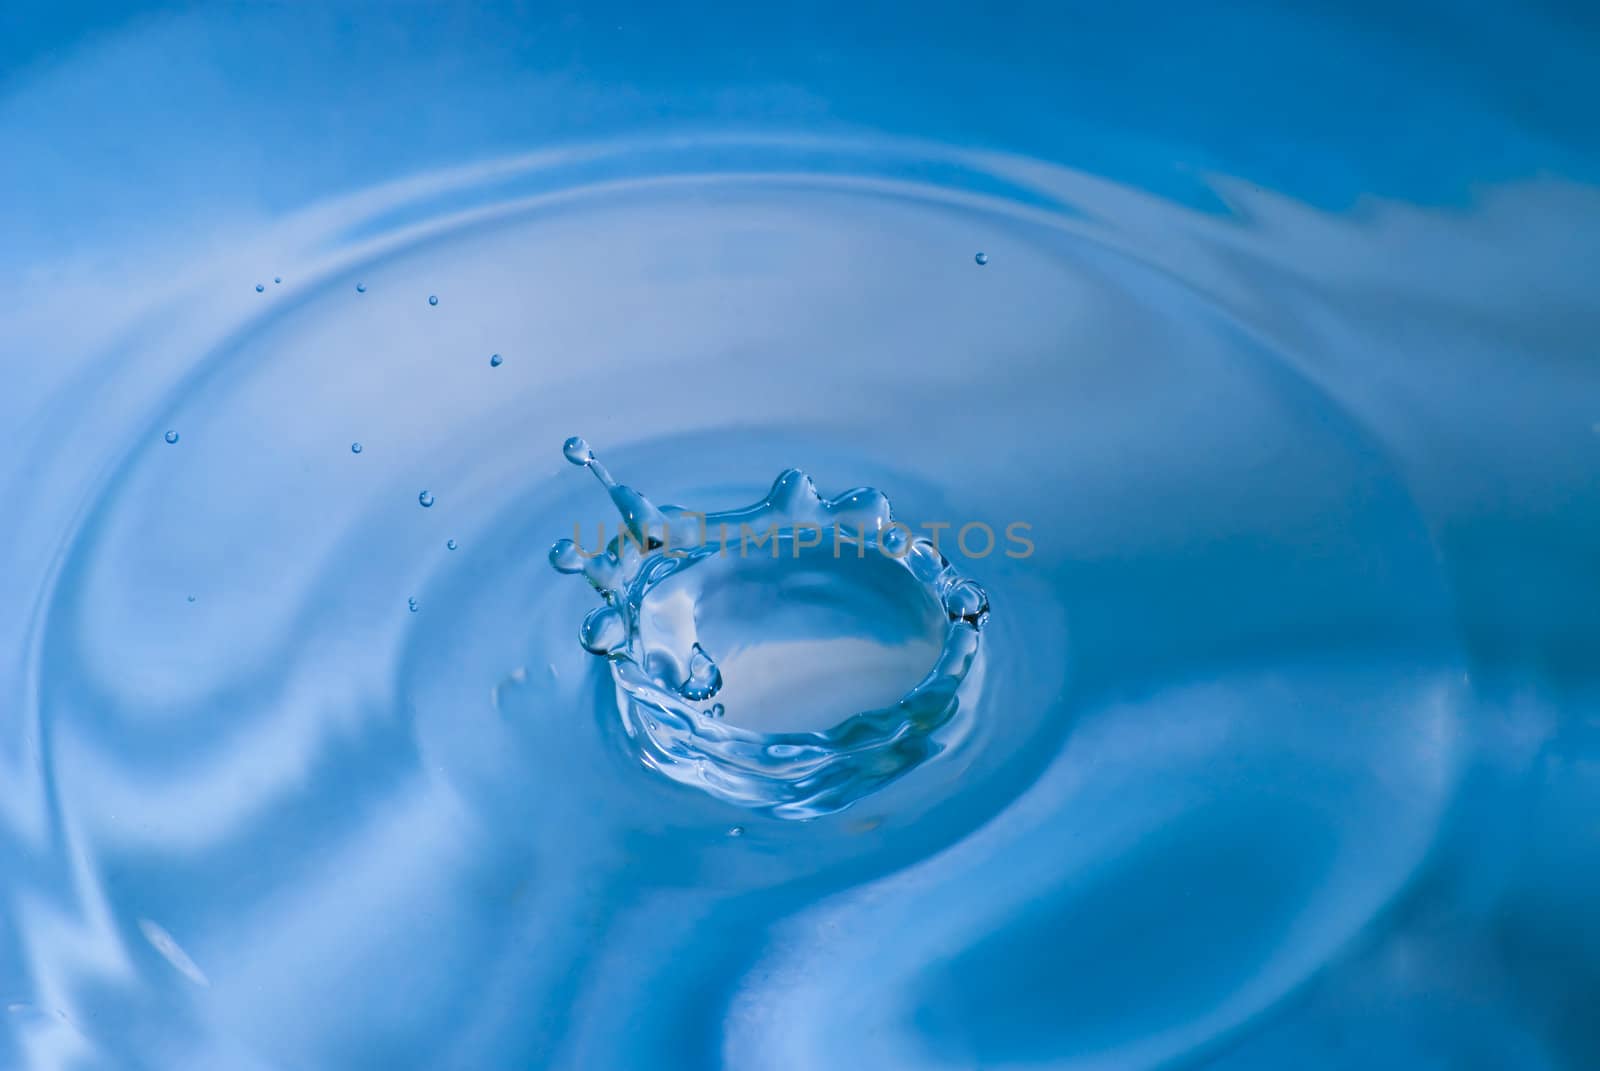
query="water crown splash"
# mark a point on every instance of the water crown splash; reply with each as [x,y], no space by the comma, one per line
[752,649]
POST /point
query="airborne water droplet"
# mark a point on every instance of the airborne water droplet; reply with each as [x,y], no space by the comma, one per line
[260,288]
[736,831]
[411,604]
[433,299]
[982,259]
[171,436]
[494,360]
[276,279]
[450,544]
[355,448]
[361,288]
[426,498]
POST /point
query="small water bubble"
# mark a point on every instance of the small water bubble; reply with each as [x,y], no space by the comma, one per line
[982,259]
[411,604]
[171,436]
[494,360]
[577,451]
[355,448]
[260,288]
[361,288]
[450,544]
[426,498]
[433,299]
[736,831]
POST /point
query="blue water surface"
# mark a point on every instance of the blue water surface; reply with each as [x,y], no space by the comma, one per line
[1275,328]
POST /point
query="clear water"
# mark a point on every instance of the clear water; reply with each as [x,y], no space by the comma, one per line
[1280,747]
[816,606]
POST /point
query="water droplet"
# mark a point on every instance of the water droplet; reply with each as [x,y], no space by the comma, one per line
[603,630]
[361,288]
[925,561]
[705,678]
[982,259]
[426,498]
[171,436]
[411,604]
[277,279]
[355,448]
[736,831]
[565,557]
[450,544]
[894,541]
[494,360]
[191,598]
[433,299]
[965,601]
[577,451]
[260,288]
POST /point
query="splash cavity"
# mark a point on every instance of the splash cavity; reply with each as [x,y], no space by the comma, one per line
[758,652]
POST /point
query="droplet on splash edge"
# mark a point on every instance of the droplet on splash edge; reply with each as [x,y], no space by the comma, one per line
[565,556]
[577,451]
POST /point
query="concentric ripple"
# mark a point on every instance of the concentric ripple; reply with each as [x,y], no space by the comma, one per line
[284,738]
